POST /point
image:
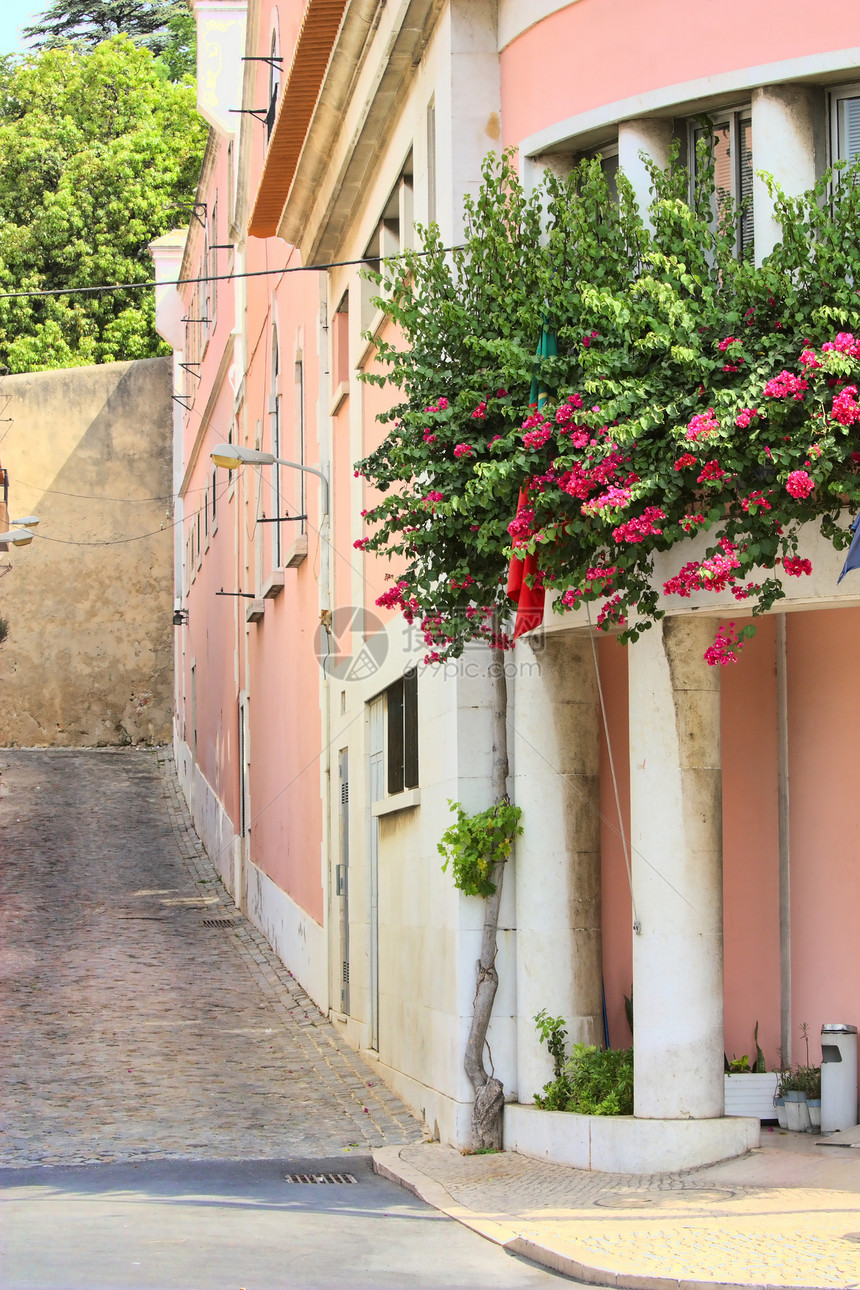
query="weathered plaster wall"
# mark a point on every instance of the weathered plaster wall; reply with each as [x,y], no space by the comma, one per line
[88,661]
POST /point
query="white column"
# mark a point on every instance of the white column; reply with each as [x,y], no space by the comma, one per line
[653,137]
[556,759]
[676,828]
[784,146]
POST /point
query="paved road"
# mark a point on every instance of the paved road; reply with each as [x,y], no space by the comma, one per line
[160,1077]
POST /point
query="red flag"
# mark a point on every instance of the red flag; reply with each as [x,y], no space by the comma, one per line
[529,600]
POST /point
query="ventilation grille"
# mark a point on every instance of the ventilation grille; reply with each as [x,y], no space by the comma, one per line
[319,1178]
[219,922]
[344,793]
[345,972]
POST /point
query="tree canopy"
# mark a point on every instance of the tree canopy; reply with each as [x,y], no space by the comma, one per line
[99,155]
[165,27]
[693,393]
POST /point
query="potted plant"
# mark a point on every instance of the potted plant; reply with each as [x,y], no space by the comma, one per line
[792,1086]
[750,1089]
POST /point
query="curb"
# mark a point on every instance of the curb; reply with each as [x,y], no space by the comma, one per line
[388,1164]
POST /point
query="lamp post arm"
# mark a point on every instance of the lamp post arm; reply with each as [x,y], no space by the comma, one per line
[310,470]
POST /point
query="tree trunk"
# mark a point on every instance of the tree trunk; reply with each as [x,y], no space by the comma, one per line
[489,1091]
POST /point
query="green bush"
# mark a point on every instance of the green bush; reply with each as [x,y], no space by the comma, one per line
[593,1081]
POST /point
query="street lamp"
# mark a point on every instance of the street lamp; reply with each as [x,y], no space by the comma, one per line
[230,455]
[28,522]
[16,537]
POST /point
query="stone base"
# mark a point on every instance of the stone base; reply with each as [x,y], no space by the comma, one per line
[624,1145]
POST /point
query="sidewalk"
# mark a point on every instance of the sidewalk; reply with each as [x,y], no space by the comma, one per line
[786,1215]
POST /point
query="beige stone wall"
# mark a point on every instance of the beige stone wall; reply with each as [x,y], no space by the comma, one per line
[89,658]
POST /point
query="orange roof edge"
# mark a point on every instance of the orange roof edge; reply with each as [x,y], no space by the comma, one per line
[317,36]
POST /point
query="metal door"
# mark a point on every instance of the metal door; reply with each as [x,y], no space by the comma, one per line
[377,792]
[342,887]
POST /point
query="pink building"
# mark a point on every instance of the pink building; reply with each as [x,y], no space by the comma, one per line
[317,751]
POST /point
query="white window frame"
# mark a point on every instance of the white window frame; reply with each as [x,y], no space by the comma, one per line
[732,116]
[836,97]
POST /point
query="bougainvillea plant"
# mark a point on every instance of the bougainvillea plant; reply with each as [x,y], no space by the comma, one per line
[693,392]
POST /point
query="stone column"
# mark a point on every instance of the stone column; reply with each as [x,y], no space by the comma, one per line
[653,137]
[676,835]
[788,143]
[555,742]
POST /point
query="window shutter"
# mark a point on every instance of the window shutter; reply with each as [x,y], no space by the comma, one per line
[410,730]
[395,737]
[849,129]
[745,185]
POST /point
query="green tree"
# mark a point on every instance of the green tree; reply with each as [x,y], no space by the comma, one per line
[97,151]
[165,27]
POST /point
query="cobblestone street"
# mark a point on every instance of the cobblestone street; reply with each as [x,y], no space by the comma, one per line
[129,1029]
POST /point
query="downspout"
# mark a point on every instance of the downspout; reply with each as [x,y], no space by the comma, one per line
[783,805]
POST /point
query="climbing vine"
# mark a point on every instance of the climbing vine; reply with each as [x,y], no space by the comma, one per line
[692,393]
[477,843]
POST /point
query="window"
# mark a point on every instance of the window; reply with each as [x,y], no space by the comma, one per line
[274,78]
[395,230]
[607,155]
[214,492]
[730,138]
[402,722]
[212,265]
[340,344]
[300,438]
[431,161]
[846,124]
[275,440]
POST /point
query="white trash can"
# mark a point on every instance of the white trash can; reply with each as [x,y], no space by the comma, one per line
[838,1077]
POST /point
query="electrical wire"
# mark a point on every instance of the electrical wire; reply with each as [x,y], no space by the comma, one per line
[42,292]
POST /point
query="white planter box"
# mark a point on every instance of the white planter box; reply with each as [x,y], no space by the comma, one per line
[752,1094]
[623,1144]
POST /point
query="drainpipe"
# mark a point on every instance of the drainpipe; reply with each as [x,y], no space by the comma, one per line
[784,840]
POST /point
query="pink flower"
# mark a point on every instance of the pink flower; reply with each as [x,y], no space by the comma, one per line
[710,471]
[808,359]
[570,598]
[799,484]
[756,499]
[537,437]
[846,409]
[690,521]
[428,437]
[360,543]
[480,411]
[785,385]
[463,450]
[521,525]
[702,425]
[611,613]
[795,566]
[745,416]
[843,343]
[723,649]
[685,460]
[636,530]
[714,574]
[442,404]
[724,344]
[613,499]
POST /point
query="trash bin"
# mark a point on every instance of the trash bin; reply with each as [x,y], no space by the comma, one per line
[838,1077]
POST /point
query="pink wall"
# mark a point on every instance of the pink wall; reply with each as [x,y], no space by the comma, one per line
[583,63]
[751,849]
[824,719]
[617,913]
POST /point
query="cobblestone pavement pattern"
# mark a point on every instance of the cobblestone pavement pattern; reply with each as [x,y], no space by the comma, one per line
[786,1215]
[128,1028]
